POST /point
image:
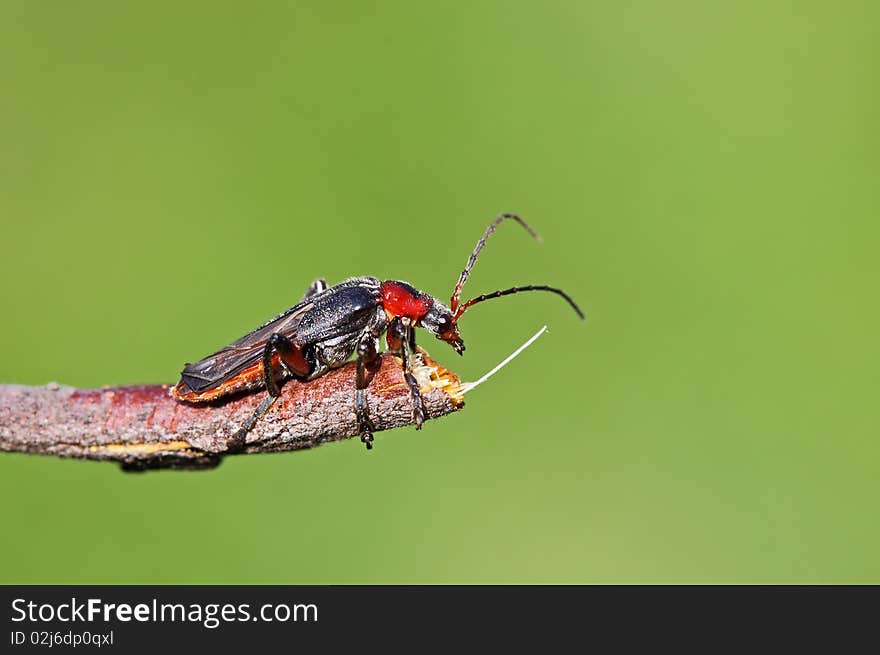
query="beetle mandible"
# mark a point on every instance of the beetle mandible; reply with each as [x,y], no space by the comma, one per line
[327,327]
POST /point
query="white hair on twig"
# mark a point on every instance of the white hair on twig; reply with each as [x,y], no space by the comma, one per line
[469,386]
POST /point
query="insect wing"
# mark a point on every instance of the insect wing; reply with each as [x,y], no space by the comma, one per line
[341,312]
[244,352]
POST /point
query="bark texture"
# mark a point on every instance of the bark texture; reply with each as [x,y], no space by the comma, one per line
[142,427]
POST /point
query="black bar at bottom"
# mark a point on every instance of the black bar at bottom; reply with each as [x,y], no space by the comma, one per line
[416,618]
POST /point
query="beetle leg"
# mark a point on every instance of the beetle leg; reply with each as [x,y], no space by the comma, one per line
[293,360]
[413,348]
[404,335]
[418,403]
[393,338]
[316,287]
[367,355]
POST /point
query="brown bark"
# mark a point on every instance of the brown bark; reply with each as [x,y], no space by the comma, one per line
[142,427]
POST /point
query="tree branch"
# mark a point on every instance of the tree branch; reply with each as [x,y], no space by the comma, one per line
[142,427]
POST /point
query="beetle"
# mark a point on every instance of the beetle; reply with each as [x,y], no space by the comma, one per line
[330,324]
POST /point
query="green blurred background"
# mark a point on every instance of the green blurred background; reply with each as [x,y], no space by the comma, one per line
[704,174]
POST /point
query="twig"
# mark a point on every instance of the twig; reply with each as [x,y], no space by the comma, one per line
[142,427]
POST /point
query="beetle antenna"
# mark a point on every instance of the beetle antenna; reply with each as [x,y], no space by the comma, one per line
[506,292]
[456,293]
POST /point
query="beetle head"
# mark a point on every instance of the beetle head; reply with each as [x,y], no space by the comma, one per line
[440,322]
[421,309]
